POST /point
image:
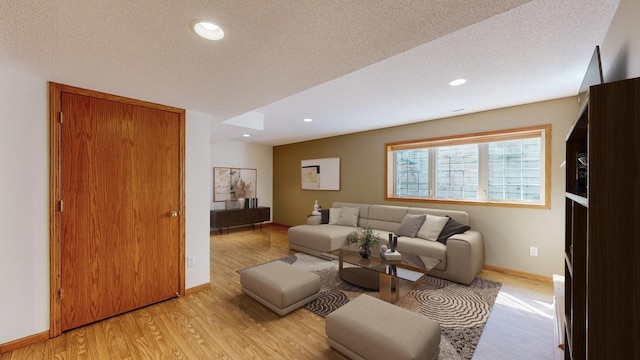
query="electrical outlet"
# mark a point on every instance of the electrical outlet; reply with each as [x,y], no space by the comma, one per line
[533,251]
[191,261]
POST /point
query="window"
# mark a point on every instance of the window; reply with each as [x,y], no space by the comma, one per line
[507,167]
[456,172]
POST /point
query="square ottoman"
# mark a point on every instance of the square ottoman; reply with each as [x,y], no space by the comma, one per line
[369,328]
[279,286]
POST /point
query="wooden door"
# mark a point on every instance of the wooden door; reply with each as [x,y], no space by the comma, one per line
[121,239]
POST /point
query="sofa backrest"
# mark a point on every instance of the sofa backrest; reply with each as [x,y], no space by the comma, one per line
[389,217]
[386,217]
[459,216]
[364,211]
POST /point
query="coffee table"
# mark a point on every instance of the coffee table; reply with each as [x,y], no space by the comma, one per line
[376,273]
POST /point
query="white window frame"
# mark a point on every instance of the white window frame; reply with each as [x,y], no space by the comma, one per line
[483,140]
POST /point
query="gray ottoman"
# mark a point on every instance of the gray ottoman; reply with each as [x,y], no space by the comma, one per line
[369,328]
[280,286]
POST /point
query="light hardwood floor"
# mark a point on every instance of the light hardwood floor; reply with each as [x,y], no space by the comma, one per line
[221,323]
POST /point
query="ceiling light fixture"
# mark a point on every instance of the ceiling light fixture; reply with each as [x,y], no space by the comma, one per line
[458,82]
[307,120]
[207,29]
[246,135]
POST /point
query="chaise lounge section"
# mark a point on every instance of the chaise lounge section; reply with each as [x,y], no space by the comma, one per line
[459,249]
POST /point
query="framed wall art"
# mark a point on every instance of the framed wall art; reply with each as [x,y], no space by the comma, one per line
[234,183]
[320,174]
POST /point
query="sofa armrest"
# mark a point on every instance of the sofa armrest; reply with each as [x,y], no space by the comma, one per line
[465,255]
[474,238]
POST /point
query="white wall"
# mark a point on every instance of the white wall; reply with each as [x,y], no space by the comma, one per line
[24,192]
[245,155]
[198,180]
[24,200]
[620,50]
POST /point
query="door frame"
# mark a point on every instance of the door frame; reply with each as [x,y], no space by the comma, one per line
[55,156]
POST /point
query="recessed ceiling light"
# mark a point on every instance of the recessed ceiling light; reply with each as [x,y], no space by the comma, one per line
[307,120]
[246,135]
[207,29]
[458,82]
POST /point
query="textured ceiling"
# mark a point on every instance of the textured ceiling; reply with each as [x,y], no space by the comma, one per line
[349,65]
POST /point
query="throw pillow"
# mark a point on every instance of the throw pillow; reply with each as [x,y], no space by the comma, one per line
[334,215]
[410,225]
[349,216]
[453,227]
[432,227]
[324,216]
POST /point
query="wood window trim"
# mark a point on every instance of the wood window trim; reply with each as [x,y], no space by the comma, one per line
[489,136]
[473,138]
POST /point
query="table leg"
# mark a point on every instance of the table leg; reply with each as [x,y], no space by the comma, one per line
[387,283]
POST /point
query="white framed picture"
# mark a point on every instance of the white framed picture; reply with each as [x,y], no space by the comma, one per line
[320,174]
[226,183]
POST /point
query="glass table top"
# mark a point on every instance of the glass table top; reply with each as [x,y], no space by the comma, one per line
[409,267]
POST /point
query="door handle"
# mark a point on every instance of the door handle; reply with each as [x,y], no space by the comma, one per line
[173,214]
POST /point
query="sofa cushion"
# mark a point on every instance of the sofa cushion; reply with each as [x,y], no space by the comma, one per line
[451,228]
[349,216]
[430,249]
[432,227]
[364,211]
[410,225]
[334,216]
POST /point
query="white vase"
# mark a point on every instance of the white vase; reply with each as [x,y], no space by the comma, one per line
[241,202]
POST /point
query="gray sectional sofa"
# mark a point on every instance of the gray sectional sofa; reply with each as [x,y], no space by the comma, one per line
[461,255]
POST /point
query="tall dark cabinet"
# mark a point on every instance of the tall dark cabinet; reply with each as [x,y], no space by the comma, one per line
[602,240]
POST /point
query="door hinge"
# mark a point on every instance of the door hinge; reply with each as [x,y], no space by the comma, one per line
[61,205]
[60,294]
[61,118]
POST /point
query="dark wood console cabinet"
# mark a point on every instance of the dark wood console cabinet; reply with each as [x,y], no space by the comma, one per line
[220,219]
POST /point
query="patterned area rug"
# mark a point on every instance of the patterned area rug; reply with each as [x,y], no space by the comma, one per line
[461,310]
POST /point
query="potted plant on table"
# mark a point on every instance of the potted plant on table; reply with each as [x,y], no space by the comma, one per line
[365,239]
[241,188]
